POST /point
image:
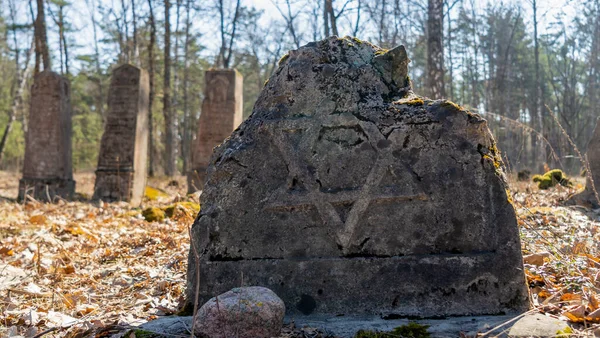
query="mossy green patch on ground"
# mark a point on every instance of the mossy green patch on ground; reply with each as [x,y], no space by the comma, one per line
[139,333]
[551,179]
[153,214]
[188,206]
[410,330]
[152,193]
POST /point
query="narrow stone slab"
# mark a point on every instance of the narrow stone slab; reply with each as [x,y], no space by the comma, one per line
[47,166]
[588,196]
[222,112]
[534,325]
[122,161]
[347,194]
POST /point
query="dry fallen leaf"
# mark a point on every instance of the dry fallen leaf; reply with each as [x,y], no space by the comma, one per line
[536,258]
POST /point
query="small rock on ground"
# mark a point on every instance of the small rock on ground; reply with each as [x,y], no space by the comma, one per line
[247,312]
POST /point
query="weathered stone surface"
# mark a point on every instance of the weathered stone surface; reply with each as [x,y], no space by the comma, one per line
[345,193]
[347,326]
[246,312]
[588,196]
[222,112]
[47,166]
[538,325]
[122,161]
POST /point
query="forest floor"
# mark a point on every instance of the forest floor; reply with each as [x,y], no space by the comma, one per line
[75,267]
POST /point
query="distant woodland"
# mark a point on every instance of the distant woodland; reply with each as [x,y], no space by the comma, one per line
[496,59]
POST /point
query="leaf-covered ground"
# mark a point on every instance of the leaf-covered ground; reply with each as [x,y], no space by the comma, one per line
[73,267]
[561,248]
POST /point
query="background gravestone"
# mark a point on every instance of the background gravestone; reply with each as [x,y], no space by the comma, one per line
[122,162]
[47,167]
[222,112]
[345,193]
[588,196]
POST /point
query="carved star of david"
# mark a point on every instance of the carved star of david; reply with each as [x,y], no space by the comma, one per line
[282,198]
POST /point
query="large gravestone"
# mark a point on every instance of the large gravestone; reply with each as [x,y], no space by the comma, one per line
[588,197]
[47,167]
[222,112]
[345,193]
[122,162]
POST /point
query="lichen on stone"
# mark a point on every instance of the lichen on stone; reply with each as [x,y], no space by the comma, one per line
[410,330]
[282,60]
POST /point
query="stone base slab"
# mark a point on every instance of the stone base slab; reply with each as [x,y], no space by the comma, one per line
[528,325]
[424,286]
[113,186]
[46,190]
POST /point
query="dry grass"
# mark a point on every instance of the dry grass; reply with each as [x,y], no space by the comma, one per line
[88,264]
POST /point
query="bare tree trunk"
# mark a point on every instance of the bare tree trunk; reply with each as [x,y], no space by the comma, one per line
[186,82]
[326,18]
[537,114]
[449,41]
[126,26]
[151,98]
[62,37]
[136,51]
[475,100]
[170,148]
[175,100]
[227,50]
[38,54]
[435,49]
[332,17]
[357,23]
[98,78]
[60,41]
[42,50]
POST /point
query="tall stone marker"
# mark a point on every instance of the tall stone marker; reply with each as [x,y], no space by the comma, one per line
[345,193]
[122,162]
[47,167]
[588,196]
[222,112]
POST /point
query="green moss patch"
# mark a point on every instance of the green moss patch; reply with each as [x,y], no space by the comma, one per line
[417,101]
[192,207]
[152,193]
[283,59]
[410,330]
[551,179]
[153,214]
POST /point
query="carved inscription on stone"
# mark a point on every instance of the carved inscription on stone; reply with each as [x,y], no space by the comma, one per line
[121,172]
[218,89]
[47,167]
[346,193]
[340,206]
